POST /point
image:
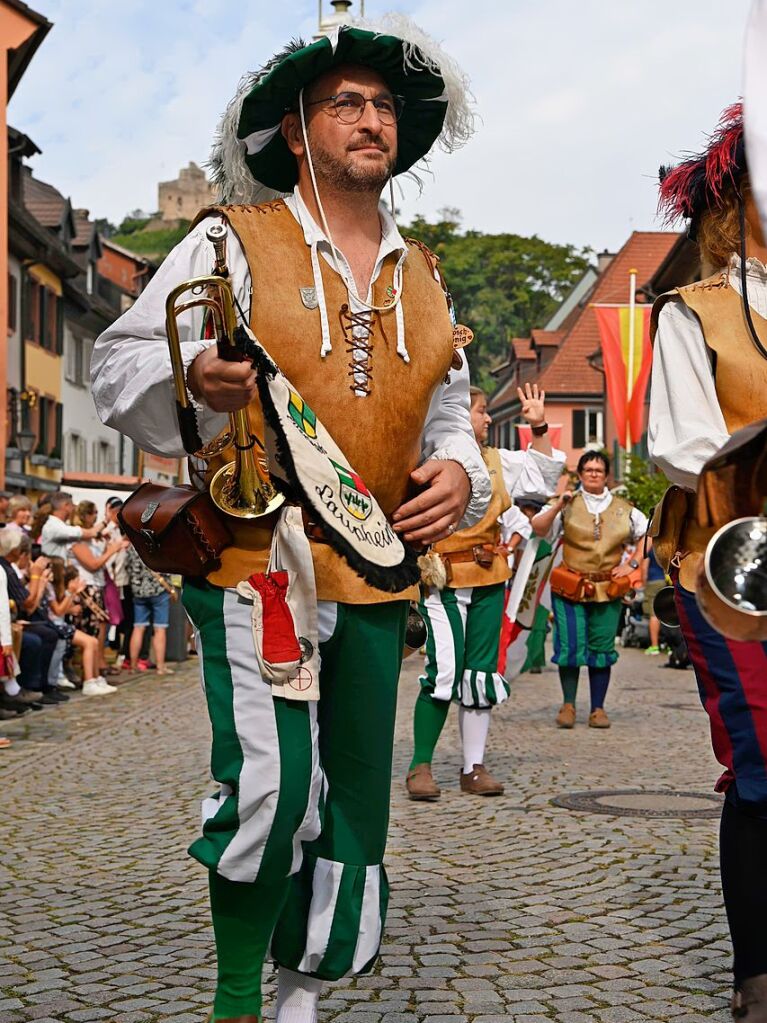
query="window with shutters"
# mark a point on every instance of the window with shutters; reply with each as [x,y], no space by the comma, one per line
[75,453]
[77,351]
[13,302]
[588,428]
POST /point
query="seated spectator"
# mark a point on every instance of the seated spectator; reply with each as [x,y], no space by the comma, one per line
[39,638]
[19,513]
[9,667]
[57,534]
[90,555]
[64,592]
[41,515]
[152,594]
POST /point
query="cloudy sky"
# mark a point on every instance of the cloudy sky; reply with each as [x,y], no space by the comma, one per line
[579,101]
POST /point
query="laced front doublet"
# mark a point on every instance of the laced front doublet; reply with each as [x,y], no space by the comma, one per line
[357,328]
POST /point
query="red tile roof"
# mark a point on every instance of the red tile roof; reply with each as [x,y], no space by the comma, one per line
[522,348]
[547,338]
[44,202]
[569,372]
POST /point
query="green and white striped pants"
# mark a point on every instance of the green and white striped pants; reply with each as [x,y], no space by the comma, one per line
[464,632]
[304,788]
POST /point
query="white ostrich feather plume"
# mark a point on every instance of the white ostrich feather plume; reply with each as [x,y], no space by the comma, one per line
[230,174]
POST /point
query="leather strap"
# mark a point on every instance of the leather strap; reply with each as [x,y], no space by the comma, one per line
[459,557]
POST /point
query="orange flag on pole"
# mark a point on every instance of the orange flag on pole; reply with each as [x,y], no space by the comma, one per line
[624,332]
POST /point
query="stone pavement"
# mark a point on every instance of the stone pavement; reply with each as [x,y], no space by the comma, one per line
[503,910]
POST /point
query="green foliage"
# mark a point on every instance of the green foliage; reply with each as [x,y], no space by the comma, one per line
[131,224]
[105,227]
[643,483]
[503,285]
[152,244]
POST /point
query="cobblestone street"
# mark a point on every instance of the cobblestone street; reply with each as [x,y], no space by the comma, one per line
[509,909]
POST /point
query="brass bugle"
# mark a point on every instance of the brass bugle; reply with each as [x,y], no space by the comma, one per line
[242,487]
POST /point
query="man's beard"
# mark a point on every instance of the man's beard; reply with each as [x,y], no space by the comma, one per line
[350,175]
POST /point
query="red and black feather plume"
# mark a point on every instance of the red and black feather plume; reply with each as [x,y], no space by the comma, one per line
[698,182]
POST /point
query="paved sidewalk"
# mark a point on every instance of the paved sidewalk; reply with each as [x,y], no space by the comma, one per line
[509,909]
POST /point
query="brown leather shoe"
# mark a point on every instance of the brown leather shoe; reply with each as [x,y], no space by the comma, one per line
[421,785]
[236,1019]
[566,716]
[480,782]
[598,719]
[750,1001]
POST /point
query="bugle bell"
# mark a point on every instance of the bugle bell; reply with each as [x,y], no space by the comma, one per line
[241,488]
[664,608]
[732,582]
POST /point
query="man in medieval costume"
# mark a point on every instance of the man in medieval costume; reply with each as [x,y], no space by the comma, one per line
[359,322]
[463,604]
[710,380]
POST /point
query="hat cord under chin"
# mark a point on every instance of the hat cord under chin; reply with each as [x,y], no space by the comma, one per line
[398,281]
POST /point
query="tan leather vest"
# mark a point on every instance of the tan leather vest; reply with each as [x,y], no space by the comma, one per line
[581,552]
[740,378]
[486,531]
[380,433]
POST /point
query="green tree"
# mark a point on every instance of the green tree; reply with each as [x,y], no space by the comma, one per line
[503,285]
[644,485]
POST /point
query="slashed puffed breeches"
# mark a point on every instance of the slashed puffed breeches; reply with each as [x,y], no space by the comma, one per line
[463,637]
[303,798]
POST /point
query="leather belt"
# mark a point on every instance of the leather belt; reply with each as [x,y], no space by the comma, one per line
[597,577]
[485,551]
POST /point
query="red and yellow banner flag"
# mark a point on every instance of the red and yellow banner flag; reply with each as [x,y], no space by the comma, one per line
[526,435]
[626,378]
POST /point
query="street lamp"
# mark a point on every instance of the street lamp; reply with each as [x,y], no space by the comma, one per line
[21,437]
[26,440]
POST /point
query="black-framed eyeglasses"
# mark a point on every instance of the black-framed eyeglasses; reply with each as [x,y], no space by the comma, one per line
[349,106]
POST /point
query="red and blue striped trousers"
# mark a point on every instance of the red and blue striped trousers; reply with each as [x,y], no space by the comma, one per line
[732,681]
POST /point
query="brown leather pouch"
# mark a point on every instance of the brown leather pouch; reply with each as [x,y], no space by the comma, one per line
[618,588]
[484,556]
[175,529]
[566,582]
[733,484]
[667,523]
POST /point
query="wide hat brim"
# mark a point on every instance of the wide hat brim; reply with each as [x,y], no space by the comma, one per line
[418,81]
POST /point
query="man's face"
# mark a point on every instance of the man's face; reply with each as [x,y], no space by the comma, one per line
[480,420]
[358,157]
[66,511]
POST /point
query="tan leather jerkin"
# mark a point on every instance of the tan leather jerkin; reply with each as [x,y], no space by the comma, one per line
[740,379]
[471,553]
[380,432]
[582,553]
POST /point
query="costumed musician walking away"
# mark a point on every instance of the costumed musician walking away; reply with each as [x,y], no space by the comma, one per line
[362,397]
[709,380]
[462,604]
[587,588]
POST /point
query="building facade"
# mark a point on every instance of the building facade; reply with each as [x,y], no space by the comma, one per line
[565,357]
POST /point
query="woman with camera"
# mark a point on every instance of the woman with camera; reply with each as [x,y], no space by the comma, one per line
[595,527]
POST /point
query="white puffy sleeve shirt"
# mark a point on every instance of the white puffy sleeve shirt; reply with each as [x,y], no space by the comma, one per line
[686,426]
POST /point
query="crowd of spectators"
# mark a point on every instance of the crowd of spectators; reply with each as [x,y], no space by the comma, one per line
[75,603]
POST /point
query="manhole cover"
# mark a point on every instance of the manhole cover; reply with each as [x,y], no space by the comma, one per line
[643,803]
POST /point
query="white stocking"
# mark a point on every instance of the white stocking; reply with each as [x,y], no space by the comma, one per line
[297,997]
[474,724]
[11,686]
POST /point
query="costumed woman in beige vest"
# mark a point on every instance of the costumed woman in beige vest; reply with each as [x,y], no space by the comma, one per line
[463,608]
[586,590]
[709,380]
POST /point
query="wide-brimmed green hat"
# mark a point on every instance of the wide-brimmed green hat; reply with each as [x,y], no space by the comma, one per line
[251,159]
